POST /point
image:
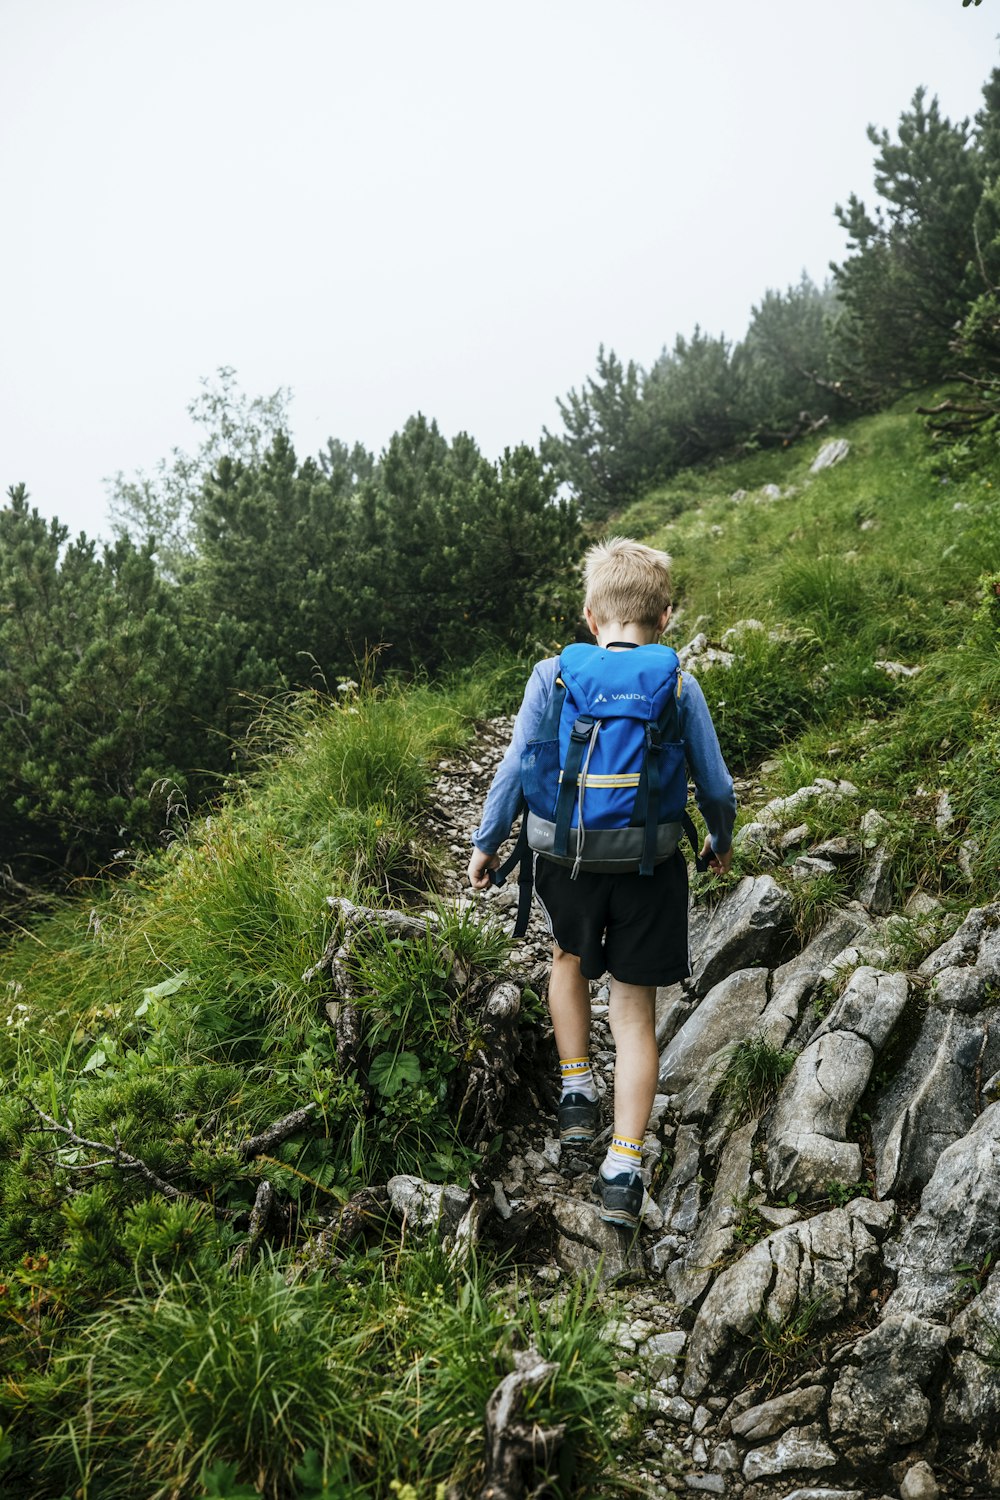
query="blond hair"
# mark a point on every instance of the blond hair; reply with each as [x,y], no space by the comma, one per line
[627,582]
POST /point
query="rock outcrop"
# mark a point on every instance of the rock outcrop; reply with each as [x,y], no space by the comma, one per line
[807,1311]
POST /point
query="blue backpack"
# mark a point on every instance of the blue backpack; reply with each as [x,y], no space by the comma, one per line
[605,778]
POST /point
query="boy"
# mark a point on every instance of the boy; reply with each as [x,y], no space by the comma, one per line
[630,925]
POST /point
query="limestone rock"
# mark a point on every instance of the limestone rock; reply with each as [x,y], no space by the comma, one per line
[921,904]
[428,1205]
[726,1014]
[748,927]
[820,1492]
[972,1395]
[698,653]
[896,669]
[687,1278]
[831,453]
[798,1448]
[931,1100]
[807,1148]
[918,1482]
[807,1142]
[781,1412]
[680,1201]
[793,837]
[583,1241]
[672,1009]
[839,850]
[975,942]
[811,867]
[778,812]
[876,890]
[755,838]
[870,1006]
[830,1260]
[661,1352]
[957,1224]
[965,970]
[731,636]
[795,981]
[879,1403]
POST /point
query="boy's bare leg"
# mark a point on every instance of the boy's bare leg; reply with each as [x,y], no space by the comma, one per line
[569,1005]
[632,1016]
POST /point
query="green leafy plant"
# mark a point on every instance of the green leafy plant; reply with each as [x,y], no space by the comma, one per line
[971,1276]
[748,1224]
[842,1193]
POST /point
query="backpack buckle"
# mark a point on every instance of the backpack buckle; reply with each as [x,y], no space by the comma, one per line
[582,729]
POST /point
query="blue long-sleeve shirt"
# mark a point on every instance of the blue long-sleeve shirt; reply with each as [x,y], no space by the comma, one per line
[713,784]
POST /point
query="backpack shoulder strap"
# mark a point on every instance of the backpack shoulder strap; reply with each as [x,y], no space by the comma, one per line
[523,853]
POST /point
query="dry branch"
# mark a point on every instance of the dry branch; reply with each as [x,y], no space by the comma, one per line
[518,1451]
[265,1142]
[259,1215]
[493,1071]
[344,1015]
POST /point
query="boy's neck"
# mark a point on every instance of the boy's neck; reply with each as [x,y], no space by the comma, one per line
[633,635]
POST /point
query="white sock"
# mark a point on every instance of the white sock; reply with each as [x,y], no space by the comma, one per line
[624,1155]
[577,1077]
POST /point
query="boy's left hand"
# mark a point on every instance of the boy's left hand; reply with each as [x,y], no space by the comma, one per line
[717,863]
[480,866]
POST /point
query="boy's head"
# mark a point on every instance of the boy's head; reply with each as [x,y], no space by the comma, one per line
[626,582]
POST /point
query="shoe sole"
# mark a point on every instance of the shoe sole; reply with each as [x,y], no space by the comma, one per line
[576,1137]
[620,1217]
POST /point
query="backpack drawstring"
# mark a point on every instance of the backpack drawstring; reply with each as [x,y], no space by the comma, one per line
[580,829]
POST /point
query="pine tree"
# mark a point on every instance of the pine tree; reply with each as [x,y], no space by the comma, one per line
[909,279]
[98,695]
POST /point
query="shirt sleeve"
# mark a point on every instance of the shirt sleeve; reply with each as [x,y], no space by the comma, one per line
[713,785]
[503,799]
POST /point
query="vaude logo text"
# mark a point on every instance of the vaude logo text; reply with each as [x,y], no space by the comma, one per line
[629,697]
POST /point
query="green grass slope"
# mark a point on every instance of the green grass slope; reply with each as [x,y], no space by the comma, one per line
[171,1020]
[892,555]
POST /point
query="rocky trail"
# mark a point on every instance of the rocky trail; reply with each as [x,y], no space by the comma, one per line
[807,1310]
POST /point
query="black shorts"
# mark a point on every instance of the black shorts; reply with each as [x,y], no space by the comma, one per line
[634,927]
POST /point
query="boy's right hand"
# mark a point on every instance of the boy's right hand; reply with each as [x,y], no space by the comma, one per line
[480,866]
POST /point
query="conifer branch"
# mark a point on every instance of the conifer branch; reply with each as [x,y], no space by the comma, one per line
[115,1156]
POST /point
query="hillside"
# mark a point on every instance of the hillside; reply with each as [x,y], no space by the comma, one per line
[282,1209]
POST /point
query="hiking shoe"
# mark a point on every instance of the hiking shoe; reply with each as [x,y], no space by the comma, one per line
[578,1117]
[621,1198]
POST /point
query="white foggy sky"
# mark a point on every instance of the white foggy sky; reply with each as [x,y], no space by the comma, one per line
[402,205]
